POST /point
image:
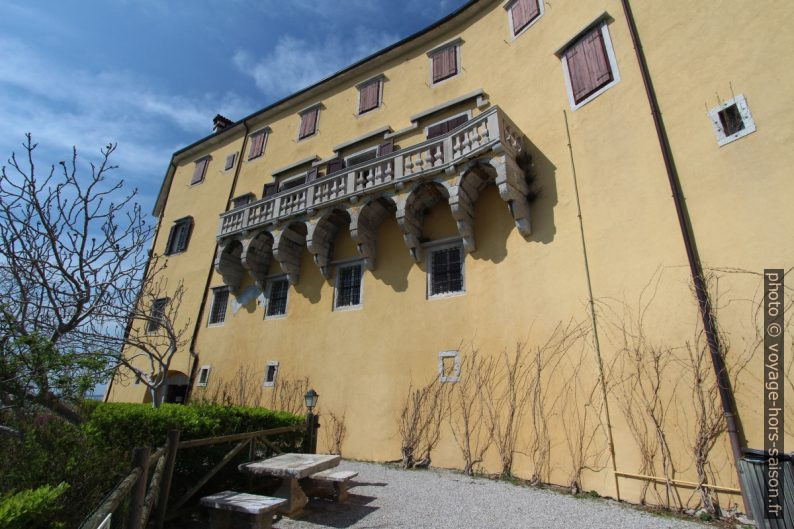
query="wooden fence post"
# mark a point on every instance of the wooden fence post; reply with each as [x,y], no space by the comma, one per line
[140,459]
[171,447]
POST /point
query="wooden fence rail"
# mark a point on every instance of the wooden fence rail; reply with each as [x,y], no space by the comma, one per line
[146,496]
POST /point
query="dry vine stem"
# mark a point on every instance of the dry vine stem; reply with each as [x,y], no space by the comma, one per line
[244,388]
[334,431]
[423,412]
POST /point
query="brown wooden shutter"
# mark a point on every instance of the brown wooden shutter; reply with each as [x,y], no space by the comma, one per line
[308,123]
[452,61]
[456,122]
[257,145]
[269,190]
[386,147]
[588,65]
[170,243]
[368,98]
[438,67]
[311,176]
[198,170]
[337,164]
[523,12]
[230,161]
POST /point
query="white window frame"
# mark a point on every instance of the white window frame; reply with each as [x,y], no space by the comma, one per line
[316,107]
[266,131]
[269,287]
[204,369]
[212,305]
[467,113]
[508,6]
[377,79]
[613,64]
[744,112]
[457,42]
[358,153]
[272,383]
[340,267]
[431,249]
[455,377]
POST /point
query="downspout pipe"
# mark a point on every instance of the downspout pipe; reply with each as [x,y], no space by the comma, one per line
[200,315]
[709,326]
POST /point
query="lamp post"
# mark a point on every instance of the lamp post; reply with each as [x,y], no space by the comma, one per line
[311,421]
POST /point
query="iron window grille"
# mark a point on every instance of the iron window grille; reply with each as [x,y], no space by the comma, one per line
[220,300]
[156,315]
[277,298]
[446,271]
[348,286]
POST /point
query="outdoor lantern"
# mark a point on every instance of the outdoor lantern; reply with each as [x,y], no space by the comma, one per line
[311,399]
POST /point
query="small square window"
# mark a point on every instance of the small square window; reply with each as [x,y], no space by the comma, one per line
[308,123]
[348,287]
[732,120]
[277,292]
[220,300]
[445,271]
[257,140]
[230,161]
[369,95]
[179,236]
[444,63]
[199,170]
[204,375]
[449,366]
[589,65]
[271,372]
[156,315]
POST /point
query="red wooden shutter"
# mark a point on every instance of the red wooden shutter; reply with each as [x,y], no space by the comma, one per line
[438,67]
[386,147]
[523,12]
[311,176]
[368,98]
[588,65]
[308,123]
[452,61]
[257,145]
[198,171]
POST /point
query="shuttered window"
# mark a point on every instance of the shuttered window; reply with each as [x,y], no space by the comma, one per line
[277,298]
[156,315]
[588,64]
[257,144]
[446,271]
[199,170]
[445,63]
[230,161]
[242,200]
[220,299]
[348,286]
[179,236]
[439,129]
[369,96]
[308,123]
[522,12]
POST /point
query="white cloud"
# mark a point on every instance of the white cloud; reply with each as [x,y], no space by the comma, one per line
[295,63]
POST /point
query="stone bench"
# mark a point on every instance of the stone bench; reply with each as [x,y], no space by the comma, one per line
[231,510]
[339,479]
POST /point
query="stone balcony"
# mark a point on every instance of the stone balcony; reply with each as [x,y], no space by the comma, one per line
[406,183]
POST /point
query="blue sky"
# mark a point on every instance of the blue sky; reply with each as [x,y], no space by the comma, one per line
[150,75]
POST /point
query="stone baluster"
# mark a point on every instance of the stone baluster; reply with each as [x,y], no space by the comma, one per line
[409,164]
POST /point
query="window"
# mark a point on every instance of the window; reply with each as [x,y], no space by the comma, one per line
[732,120]
[242,200]
[271,371]
[277,292]
[199,170]
[439,129]
[446,271]
[220,299]
[589,65]
[369,95]
[449,366]
[156,315]
[361,157]
[444,62]
[204,375]
[308,123]
[179,236]
[523,13]
[348,287]
[258,140]
[230,161]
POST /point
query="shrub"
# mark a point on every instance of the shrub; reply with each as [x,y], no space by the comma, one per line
[32,508]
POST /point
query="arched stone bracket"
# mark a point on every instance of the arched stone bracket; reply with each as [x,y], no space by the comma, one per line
[288,244]
[365,219]
[321,232]
[411,209]
[463,193]
[513,188]
[227,262]
[256,255]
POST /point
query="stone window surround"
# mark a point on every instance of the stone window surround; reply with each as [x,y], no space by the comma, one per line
[215,290]
[345,263]
[205,370]
[443,244]
[508,7]
[270,383]
[455,377]
[744,112]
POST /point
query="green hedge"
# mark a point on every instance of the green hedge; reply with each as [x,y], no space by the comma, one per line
[31,509]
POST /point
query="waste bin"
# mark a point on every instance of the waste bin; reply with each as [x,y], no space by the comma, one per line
[752,472]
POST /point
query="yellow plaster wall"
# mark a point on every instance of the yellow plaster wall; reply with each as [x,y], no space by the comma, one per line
[362,361]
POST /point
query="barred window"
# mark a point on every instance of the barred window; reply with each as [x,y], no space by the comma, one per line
[348,286]
[271,370]
[179,236]
[156,315]
[277,298]
[220,299]
[446,271]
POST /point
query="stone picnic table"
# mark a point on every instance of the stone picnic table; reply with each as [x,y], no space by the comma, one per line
[291,468]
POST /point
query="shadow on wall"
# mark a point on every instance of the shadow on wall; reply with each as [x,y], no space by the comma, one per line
[311,281]
[492,225]
[393,262]
[545,184]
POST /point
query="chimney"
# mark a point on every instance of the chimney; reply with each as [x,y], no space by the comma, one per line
[219,123]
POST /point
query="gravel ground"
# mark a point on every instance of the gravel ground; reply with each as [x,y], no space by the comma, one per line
[382,497]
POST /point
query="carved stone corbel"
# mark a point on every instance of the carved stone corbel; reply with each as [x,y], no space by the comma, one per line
[288,244]
[513,189]
[227,263]
[256,255]
[365,220]
[320,235]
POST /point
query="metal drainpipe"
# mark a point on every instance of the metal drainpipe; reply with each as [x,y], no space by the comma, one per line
[200,315]
[128,328]
[723,381]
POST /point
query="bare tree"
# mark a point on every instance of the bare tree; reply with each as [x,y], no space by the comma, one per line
[287,394]
[244,388]
[70,245]
[419,426]
[335,432]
